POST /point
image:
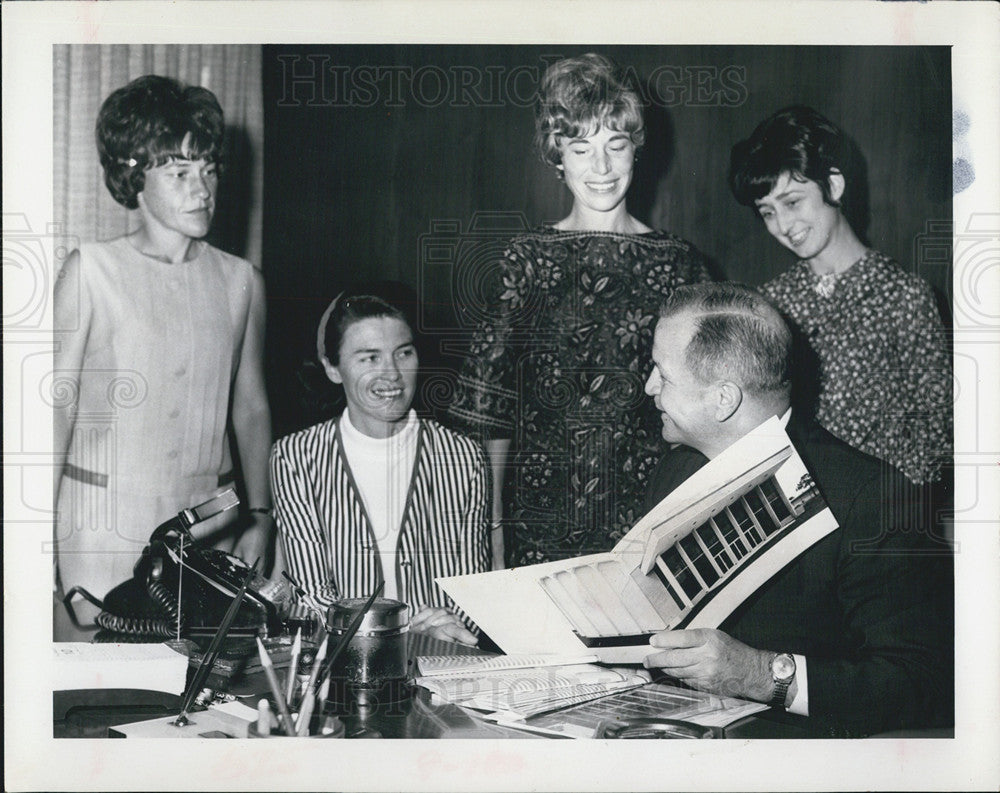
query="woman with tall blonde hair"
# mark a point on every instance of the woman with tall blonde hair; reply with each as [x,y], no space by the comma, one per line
[554,376]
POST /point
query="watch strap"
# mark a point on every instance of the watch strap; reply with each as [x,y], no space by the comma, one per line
[780,692]
[781,684]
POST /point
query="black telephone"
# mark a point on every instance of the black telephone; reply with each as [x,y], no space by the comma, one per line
[178,586]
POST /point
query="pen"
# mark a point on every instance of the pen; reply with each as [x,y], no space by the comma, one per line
[212,654]
[306,597]
[276,692]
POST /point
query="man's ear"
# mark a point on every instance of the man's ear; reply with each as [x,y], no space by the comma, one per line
[332,372]
[729,397]
[837,184]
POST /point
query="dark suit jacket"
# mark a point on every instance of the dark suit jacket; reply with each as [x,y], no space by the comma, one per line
[870,606]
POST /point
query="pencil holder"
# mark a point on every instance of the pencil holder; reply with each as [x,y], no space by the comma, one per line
[373,665]
[332,728]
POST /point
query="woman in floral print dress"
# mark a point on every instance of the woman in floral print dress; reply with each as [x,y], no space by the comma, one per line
[554,377]
[885,378]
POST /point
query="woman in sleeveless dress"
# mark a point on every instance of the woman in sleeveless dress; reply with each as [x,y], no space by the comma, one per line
[159,343]
[554,377]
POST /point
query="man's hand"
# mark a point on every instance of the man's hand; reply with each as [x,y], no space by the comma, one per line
[440,623]
[713,661]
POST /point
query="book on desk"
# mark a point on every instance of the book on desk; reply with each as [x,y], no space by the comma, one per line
[151,667]
[516,687]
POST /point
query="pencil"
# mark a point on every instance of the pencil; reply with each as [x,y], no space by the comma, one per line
[305,715]
[293,667]
[276,692]
[317,665]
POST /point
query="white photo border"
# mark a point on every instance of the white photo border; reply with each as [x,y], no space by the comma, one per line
[35,761]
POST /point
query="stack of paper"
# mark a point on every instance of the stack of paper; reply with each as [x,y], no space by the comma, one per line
[452,665]
[516,687]
[152,667]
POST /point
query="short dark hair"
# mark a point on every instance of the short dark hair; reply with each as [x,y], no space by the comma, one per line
[344,311]
[738,336]
[579,95]
[144,124]
[798,141]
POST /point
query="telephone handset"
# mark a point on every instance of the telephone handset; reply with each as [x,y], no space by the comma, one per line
[178,585]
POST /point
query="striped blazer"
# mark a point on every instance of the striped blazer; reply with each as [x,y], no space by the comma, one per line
[327,536]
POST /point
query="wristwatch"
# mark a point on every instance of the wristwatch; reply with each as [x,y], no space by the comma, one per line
[782,673]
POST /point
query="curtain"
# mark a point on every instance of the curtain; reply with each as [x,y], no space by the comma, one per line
[84,75]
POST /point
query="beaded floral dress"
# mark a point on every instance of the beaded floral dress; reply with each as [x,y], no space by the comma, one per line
[885,370]
[558,367]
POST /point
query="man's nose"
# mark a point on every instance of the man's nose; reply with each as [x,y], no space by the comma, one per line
[652,387]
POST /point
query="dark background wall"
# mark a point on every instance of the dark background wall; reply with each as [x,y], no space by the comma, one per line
[414,163]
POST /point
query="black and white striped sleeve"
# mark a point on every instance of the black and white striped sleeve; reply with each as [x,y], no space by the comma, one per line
[303,535]
[476,545]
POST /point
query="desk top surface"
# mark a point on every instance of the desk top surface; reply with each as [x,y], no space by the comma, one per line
[411,716]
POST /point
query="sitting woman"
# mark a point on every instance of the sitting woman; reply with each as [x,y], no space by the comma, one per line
[378,494]
[884,366]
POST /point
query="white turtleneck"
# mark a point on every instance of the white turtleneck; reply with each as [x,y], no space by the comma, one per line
[382,469]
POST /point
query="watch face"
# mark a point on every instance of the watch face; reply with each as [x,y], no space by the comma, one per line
[783,667]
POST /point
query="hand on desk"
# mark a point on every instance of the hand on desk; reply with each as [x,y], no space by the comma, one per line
[439,623]
[713,661]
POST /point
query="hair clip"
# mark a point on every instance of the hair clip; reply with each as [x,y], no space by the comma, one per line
[131,162]
[321,331]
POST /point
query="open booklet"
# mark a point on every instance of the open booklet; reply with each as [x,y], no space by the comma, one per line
[689,563]
[514,691]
